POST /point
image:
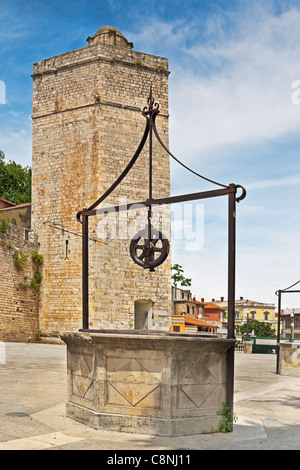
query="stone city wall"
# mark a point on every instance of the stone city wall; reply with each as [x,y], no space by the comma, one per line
[18,294]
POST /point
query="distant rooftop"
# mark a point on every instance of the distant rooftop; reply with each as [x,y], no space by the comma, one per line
[13,206]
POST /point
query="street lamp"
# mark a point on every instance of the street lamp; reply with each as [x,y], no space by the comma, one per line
[292,326]
[247,334]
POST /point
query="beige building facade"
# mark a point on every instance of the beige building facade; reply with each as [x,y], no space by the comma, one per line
[87,124]
[245,308]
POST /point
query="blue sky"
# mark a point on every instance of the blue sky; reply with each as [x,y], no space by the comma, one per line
[234,116]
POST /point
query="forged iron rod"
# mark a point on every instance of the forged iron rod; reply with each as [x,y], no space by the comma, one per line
[289,291]
[231,296]
[278,331]
[85,270]
[166,200]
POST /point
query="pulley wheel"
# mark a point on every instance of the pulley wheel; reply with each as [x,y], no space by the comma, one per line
[149,252]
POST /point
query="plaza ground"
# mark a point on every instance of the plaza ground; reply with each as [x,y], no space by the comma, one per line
[33,392]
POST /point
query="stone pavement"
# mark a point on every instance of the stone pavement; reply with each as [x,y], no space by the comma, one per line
[33,392]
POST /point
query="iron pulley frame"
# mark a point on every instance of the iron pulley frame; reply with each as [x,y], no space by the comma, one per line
[146,259]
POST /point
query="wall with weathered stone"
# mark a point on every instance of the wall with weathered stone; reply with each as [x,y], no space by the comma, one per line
[87,124]
[18,302]
[19,215]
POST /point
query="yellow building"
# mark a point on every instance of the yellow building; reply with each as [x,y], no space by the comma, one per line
[186,324]
[260,311]
[187,314]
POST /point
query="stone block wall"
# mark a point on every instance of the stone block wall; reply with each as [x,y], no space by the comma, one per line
[18,302]
[87,124]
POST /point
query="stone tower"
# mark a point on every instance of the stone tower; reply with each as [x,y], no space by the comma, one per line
[87,124]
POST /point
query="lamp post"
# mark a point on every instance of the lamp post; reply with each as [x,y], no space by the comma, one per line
[292,326]
[175,296]
[247,326]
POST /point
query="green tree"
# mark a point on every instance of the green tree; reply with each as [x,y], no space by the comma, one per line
[260,328]
[15,181]
[179,278]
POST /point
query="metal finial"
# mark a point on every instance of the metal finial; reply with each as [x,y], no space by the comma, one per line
[152,106]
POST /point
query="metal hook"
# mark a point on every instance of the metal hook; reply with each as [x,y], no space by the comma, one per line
[243,195]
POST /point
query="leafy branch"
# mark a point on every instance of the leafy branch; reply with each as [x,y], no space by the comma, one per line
[179,278]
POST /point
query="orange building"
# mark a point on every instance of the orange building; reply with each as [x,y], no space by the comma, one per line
[187,324]
[214,312]
[189,314]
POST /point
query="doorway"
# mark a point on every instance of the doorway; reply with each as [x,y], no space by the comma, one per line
[142,315]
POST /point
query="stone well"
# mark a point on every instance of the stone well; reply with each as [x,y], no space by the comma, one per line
[289,358]
[146,382]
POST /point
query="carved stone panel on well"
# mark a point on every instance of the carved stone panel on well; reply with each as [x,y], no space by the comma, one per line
[199,384]
[133,382]
[83,387]
[198,396]
[82,364]
[82,376]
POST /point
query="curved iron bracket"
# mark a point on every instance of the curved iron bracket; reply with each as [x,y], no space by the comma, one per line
[243,195]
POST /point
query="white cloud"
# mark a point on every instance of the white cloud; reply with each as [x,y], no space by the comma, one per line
[276,182]
[238,90]
[156,32]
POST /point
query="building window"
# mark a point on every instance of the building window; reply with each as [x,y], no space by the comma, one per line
[252,315]
[266,316]
[237,315]
[187,309]
[176,328]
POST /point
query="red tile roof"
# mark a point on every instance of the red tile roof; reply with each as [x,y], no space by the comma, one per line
[195,321]
[15,206]
[212,305]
